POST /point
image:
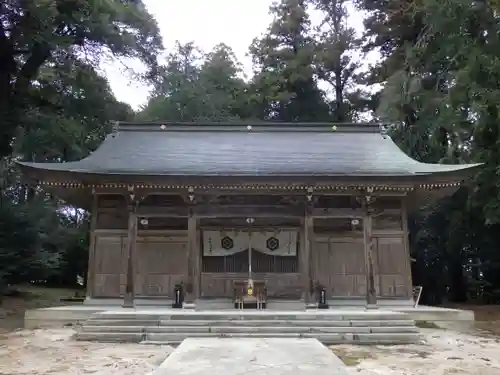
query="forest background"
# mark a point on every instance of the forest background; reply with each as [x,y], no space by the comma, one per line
[437,82]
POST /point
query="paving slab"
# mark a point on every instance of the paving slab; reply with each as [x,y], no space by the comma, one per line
[267,356]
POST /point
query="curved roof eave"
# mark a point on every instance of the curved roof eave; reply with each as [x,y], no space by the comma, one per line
[272,150]
[435,170]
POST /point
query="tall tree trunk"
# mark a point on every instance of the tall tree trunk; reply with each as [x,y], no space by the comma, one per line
[458,284]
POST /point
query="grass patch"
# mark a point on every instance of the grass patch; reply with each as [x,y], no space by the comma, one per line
[352,357]
[426,324]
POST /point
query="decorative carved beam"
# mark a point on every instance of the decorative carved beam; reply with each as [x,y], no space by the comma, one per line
[163,211]
[209,211]
[277,190]
[214,211]
[334,213]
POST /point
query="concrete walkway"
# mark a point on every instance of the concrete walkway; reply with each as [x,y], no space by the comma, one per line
[227,356]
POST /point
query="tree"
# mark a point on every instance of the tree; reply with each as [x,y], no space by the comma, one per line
[337,59]
[225,93]
[70,133]
[175,95]
[284,87]
[36,33]
[442,77]
[18,245]
[199,87]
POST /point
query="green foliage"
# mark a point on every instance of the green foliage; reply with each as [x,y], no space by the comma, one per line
[18,243]
[442,73]
[36,36]
[54,106]
[337,62]
[284,87]
[198,87]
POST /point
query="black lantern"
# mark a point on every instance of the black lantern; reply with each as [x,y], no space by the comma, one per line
[178,296]
[322,299]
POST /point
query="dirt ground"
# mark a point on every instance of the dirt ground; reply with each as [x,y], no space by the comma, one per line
[52,351]
[441,353]
[29,297]
[487,317]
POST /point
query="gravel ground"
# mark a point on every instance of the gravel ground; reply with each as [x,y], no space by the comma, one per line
[441,353]
[52,351]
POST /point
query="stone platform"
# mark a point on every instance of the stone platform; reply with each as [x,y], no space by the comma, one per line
[252,356]
[53,317]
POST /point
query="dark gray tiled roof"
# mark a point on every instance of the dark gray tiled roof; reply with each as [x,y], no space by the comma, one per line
[265,150]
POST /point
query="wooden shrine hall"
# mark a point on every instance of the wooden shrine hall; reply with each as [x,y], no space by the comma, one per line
[248,212]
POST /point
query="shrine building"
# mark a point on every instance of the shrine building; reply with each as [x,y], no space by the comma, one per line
[272,211]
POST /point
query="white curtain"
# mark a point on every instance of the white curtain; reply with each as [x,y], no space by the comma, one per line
[279,243]
[224,243]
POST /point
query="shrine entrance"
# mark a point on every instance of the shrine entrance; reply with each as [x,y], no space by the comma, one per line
[250,261]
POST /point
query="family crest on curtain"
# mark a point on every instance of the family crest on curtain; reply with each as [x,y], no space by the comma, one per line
[225,243]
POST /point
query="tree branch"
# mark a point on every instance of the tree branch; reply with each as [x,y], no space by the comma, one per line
[39,54]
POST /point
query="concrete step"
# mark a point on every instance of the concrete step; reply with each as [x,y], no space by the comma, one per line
[262,315]
[238,329]
[326,338]
[113,329]
[214,304]
[361,302]
[330,327]
[117,337]
[272,330]
[298,323]
[285,305]
[122,322]
[254,323]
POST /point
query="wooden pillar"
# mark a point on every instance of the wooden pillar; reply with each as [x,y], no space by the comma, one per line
[406,244]
[371,293]
[194,268]
[129,297]
[305,257]
[91,265]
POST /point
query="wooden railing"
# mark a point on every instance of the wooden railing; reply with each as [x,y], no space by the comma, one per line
[417,293]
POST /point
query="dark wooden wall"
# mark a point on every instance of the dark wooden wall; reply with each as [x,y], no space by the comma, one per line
[337,255]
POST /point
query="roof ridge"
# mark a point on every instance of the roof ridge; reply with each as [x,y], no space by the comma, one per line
[245,126]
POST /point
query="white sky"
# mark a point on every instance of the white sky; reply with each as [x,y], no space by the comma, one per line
[206,23]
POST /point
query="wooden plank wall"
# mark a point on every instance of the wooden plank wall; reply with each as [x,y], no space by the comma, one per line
[161,263]
[339,262]
[337,258]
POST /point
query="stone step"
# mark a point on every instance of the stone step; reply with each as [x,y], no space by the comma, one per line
[263,315]
[122,322]
[239,329]
[117,337]
[113,329]
[326,338]
[285,305]
[271,330]
[254,323]
[361,302]
[299,323]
